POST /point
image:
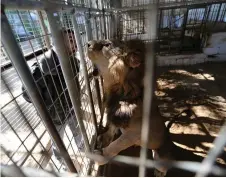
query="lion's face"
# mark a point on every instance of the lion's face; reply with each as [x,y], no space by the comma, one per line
[117,61]
[107,55]
[102,50]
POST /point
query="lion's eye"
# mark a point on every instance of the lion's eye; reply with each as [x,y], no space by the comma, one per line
[107,44]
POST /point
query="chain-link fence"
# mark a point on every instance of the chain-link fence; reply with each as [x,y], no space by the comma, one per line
[50,37]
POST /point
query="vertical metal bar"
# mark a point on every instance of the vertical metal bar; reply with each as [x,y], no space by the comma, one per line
[223,13]
[218,13]
[203,25]
[21,66]
[96,29]
[115,18]
[159,29]
[100,25]
[112,26]
[74,93]
[90,37]
[84,69]
[44,29]
[88,28]
[183,29]
[103,19]
[148,84]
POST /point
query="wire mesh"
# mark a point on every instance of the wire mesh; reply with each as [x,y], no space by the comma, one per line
[25,25]
[21,118]
[22,132]
[180,29]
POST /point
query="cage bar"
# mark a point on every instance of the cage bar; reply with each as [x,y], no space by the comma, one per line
[151,22]
[63,56]
[179,22]
[44,29]
[84,70]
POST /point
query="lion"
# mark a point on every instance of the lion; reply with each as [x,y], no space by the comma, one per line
[121,65]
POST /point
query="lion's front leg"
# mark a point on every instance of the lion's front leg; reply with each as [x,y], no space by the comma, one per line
[106,138]
[126,140]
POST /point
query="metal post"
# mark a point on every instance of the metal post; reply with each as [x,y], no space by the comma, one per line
[84,69]
[74,93]
[203,25]
[89,37]
[115,18]
[103,19]
[159,29]
[88,28]
[184,28]
[21,66]
[42,5]
[44,29]
[96,29]
[218,13]
[223,14]
[148,83]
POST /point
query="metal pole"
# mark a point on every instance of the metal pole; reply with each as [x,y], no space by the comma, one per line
[21,66]
[84,69]
[167,5]
[44,29]
[148,85]
[42,5]
[58,40]
[218,13]
[115,18]
[183,29]
[88,28]
[89,37]
[96,29]
[103,19]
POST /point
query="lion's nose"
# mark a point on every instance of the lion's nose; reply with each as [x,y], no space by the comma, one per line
[90,44]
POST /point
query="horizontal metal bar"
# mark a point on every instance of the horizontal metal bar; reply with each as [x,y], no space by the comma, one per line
[42,5]
[166,5]
[190,166]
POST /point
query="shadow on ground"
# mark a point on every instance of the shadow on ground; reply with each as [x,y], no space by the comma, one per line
[199,89]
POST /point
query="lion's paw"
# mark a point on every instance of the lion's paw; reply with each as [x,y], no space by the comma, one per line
[100,160]
[158,173]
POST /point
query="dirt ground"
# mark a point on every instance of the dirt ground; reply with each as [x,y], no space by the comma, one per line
[202,90]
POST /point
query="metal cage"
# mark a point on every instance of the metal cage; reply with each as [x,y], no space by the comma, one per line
[29,28]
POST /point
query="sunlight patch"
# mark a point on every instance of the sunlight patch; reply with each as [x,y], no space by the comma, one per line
[204,76]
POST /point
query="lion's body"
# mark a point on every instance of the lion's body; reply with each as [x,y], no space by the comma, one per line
[123,71]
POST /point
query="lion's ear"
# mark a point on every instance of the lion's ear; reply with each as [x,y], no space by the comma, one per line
[134,60]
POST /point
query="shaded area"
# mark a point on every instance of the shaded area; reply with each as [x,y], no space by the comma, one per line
[199,90]
[124,170]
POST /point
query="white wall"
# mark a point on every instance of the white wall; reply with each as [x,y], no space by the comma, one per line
[215,46]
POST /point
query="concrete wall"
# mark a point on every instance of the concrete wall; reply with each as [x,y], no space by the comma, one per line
[215,51]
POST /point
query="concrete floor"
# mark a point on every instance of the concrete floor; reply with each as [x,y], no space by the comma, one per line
[200,88]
